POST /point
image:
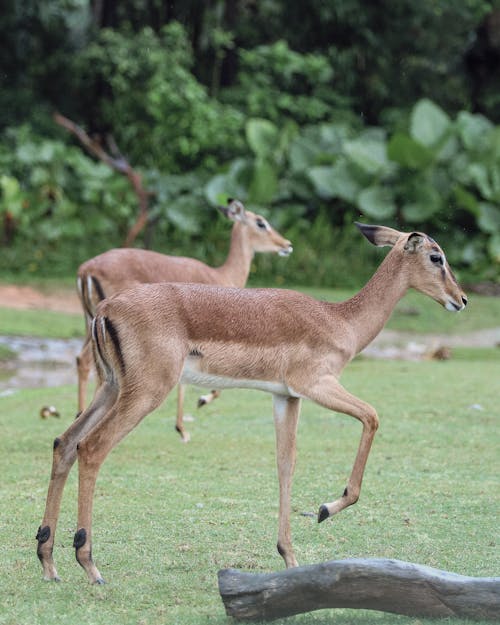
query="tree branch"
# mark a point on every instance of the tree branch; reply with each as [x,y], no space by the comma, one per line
[117,162]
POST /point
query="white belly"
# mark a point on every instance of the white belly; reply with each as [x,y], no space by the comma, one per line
[192,375]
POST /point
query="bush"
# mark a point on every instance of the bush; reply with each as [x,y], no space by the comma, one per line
[436,174]
[159,114]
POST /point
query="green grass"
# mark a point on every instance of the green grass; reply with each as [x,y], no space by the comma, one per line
[415,313]
[169,516]
[45,323]
[6,353]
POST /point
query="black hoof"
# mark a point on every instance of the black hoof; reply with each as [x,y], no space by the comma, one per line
[52,579]
[201,402]
[323,513]
[99,581]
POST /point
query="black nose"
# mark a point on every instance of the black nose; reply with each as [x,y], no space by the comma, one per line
[464,300]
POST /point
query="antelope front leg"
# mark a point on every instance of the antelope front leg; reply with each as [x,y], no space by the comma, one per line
[331,394]
[208,398]
[286,416]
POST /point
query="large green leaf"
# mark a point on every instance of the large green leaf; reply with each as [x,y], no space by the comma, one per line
[216,190]
[489,218]
[334,135]
[234,183]
[405,151]
[479,176]
[425,204]
[11,197]
[474,130]
[428,123]
[368,154]
[495,143]
[494,247]
[466,200]
[27,153]
[10,187]
[337,181]
[303,153]
[377,202]
[262,136]
[180,213]
[264,183]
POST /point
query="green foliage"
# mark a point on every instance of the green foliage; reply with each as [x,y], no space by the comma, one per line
[280,124]
[276,83]
[61,203]
[38,40]
[439,175]
[154,100]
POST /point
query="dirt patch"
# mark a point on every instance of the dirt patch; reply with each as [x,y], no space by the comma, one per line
[26,298]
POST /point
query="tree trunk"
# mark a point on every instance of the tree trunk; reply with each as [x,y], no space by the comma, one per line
[370,584]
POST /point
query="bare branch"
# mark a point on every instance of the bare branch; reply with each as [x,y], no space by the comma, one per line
[117,162]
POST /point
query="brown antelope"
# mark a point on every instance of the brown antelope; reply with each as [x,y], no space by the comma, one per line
[148,339]
[123,268]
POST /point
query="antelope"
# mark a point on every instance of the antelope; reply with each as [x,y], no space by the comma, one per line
[148,339]
[118,269]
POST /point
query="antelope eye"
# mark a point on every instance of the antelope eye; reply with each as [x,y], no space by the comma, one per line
[437,258]
[261,223]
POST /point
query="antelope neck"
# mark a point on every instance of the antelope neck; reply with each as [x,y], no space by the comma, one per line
[236,269]
[368,311]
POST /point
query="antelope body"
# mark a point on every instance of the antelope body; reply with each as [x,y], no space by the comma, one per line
[149,338]
[122,268]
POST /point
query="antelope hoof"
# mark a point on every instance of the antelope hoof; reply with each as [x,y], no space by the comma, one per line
[56,579]
[323,513]
[201,402]
[99,581]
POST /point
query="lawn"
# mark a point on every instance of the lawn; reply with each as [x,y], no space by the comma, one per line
[169,516]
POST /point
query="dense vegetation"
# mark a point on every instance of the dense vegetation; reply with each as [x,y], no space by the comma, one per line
[315,114]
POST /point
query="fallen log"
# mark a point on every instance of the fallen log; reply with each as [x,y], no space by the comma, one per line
[370,584]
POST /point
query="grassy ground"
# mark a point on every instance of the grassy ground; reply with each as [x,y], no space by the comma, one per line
[168,516]
[40,323]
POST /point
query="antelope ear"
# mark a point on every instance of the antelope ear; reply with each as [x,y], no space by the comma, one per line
[235,210]
[379,235]
[414,242]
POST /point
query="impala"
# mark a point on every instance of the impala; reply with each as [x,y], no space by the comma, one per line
[148,339]
[122,268]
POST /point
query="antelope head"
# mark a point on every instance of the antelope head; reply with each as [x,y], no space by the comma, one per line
[425,264]
[263,236]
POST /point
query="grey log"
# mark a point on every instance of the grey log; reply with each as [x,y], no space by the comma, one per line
[370,584]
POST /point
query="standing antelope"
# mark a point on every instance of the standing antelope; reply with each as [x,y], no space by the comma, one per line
[149,338]
[123,268]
